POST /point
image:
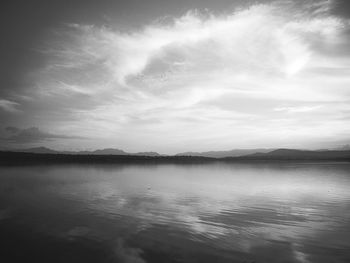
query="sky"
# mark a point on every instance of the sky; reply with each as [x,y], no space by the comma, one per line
[173,76]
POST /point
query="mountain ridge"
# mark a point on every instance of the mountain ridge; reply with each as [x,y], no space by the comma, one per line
[295,154]
[228,153]
[246,153]
[105,151]
[116,151]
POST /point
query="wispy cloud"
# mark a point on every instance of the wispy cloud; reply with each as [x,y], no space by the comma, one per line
[33,135]
[300,109]
[144,85]
[9,106]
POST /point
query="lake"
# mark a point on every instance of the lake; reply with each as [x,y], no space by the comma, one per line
[286,212]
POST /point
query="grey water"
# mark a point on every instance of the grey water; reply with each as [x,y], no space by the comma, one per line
[286,212]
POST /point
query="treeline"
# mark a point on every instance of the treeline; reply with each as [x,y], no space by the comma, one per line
[21,158]
[281,155]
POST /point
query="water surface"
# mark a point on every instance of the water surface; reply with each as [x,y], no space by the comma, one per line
[286,212]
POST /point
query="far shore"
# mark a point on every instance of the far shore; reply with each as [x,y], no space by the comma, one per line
[282,155]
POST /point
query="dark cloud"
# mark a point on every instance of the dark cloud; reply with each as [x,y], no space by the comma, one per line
[342,8]
[12,129]
[33,134]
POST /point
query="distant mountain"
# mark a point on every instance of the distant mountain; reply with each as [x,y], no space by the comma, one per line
[36,150]
[239,154]
[222,154]
[111,151]
[344,148]
[292,154]
[107,151]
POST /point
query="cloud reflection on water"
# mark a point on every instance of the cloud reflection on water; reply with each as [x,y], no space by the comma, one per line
[266,213]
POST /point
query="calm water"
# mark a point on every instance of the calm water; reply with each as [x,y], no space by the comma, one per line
[175,213]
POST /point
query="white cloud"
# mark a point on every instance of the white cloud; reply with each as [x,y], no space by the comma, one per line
[9,106]
[163,74]
[299,109]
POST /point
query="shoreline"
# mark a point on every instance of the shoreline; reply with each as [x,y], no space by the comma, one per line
[25,158]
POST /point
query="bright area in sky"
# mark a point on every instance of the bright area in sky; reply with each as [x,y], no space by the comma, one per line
[266,75]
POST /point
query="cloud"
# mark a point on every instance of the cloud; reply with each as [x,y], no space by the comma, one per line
[299,109]
[33,134]
[263,39]
[12,129]
[271,40]
[9,106]
[147,83]
[126,254]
